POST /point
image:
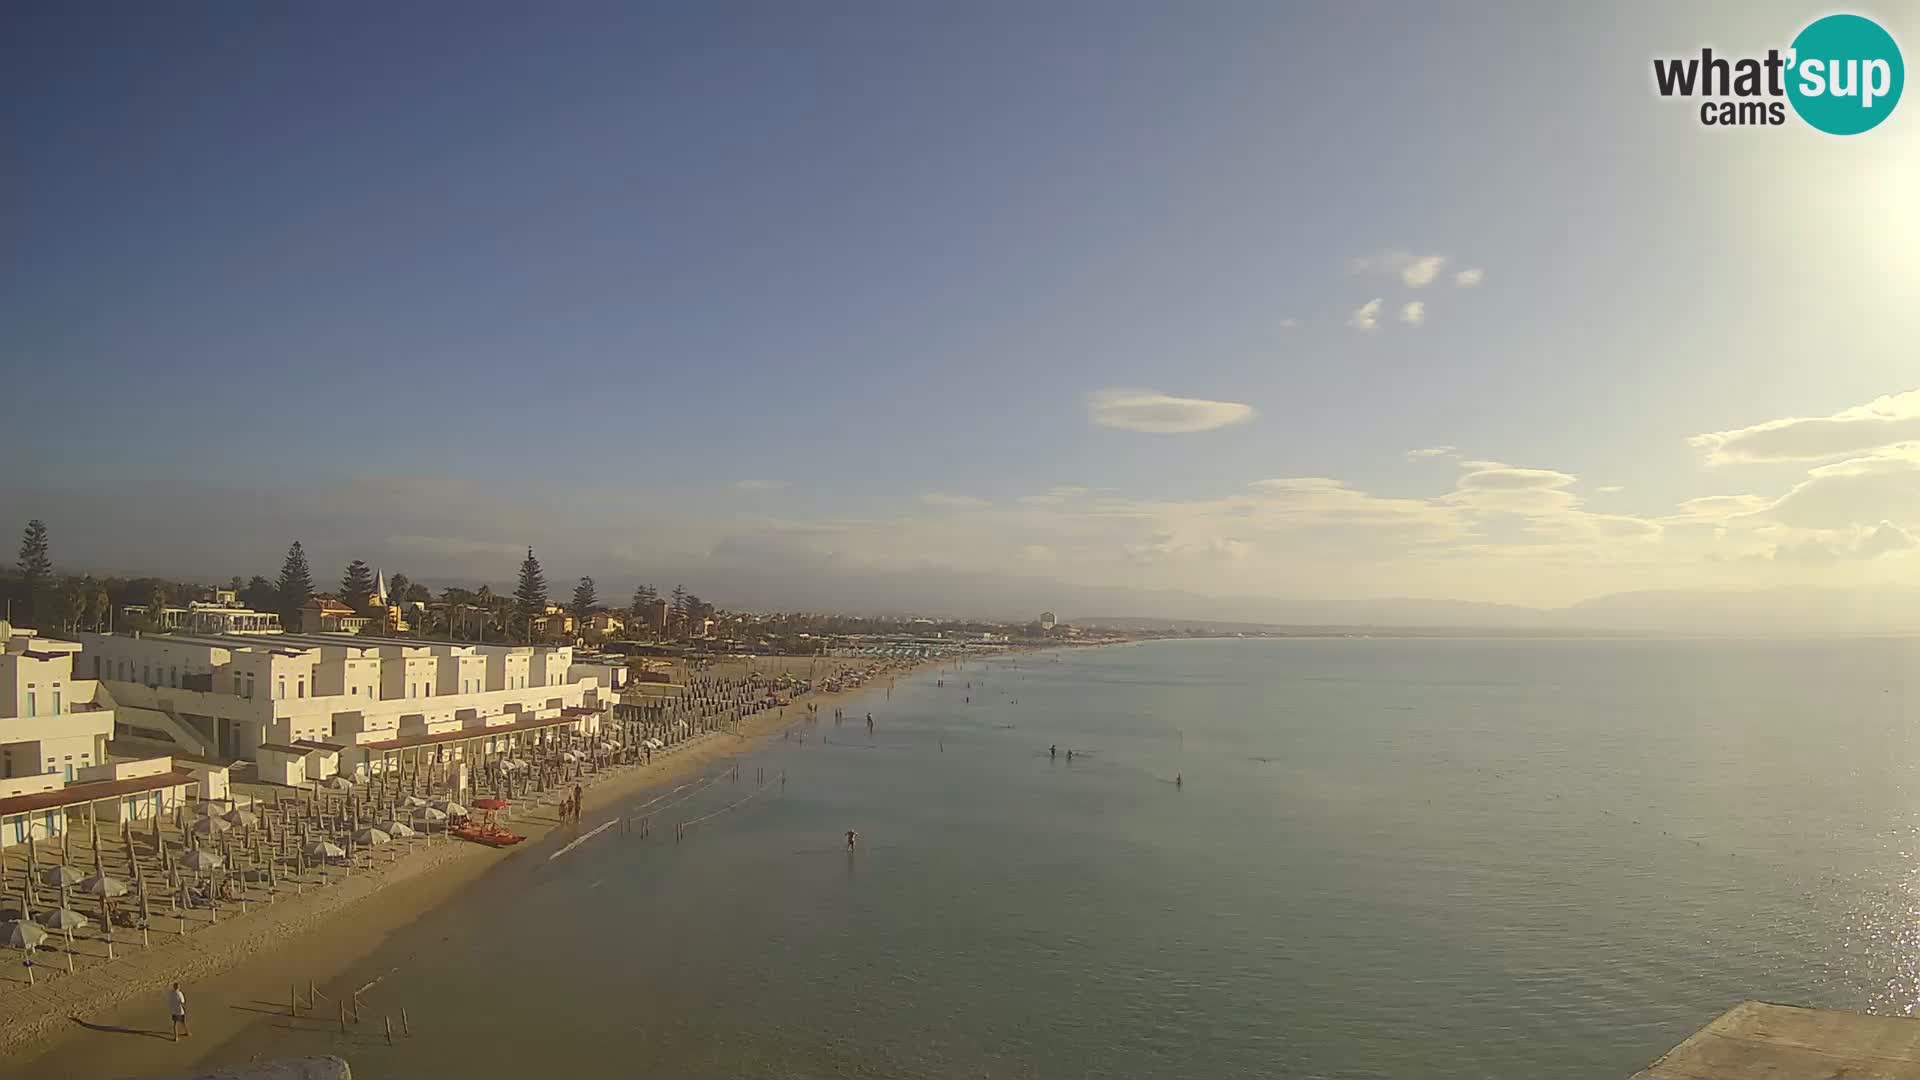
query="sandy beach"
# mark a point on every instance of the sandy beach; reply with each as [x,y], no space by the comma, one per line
[109,1021]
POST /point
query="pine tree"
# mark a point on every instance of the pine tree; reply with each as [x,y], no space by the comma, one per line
[35,564]
[530,597]
[679,607]
[397,587]
[584,599]
[642,597]
[258,593]
[356,585]
[296,583]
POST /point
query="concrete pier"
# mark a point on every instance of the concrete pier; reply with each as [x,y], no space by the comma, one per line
[1757,1040]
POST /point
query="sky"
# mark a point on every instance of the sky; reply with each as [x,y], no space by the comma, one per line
[1251,309]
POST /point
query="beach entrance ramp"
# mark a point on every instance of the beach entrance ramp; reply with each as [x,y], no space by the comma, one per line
[1757,1040]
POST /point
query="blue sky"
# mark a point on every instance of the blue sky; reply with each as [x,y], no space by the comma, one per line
[630,258]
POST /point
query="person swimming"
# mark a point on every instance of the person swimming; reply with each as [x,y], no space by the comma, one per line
[1069,753]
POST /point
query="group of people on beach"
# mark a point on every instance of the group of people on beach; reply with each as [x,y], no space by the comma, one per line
[570,806]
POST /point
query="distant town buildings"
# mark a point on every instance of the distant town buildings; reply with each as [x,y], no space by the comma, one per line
[1047,621]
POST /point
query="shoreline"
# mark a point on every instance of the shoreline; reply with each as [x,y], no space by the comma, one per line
[319,937]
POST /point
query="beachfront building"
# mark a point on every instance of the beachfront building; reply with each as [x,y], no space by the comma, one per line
[303,706]
[323,614]
[122,790]
[52,724]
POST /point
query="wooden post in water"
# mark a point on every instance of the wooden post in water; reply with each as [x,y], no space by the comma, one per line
[406,1026]
[389,1031]
[343,1018]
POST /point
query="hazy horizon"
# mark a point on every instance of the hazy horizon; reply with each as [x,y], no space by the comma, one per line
[1368,314]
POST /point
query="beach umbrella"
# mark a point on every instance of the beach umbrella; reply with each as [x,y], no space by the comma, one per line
[243,818]
[64,918]
[397,829]
[62,876]
[433,814]
[210,826]
[21,934]
[372,837]
[103,886]
[324,849]
[207,808]
[337,783]
[202,860]
[449,808]
[412,801]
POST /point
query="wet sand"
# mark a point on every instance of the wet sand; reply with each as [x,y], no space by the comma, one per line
[111,1021]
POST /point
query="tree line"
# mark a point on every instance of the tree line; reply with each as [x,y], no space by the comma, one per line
[36,596]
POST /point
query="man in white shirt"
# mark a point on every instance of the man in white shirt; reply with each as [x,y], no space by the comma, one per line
[177,1006]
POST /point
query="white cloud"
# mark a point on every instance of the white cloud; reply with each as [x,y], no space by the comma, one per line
[1154,412]
[1055,496]
[1609,489]
[946,500]
[1468,278]
[1427,452]
[759,485]
[1414,312]
[1884,540]
[1882,422]
[1846,493]
[1827,548]
[1289,323]
[1414,271]
[1037,553]
[1494,477]
[1366,316]
[1720,507]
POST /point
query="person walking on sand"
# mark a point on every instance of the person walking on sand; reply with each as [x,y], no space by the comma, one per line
[177,1008]
[576,802]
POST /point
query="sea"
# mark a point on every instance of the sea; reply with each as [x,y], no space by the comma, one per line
[1353,858]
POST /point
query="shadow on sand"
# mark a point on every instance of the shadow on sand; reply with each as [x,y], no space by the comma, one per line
[112,1030]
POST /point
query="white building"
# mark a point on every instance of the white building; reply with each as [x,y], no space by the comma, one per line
[227,696]
[51,723]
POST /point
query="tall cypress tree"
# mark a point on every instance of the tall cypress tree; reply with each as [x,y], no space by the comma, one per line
[584,598]
[35,563]
[296,583]
[530,597]
[356,585]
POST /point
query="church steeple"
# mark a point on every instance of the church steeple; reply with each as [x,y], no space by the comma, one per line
[380,588]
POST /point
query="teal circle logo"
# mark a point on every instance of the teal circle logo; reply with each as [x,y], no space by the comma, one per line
[1845,74]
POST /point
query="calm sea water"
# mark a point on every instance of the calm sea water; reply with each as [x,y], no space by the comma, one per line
[1390,858]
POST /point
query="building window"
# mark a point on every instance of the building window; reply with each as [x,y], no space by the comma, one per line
[96,667]
[355,691]
[301,686]
[31,709]
[56,701]
[173,676]
[146,674]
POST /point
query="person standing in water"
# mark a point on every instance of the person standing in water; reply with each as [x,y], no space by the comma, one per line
[869,723]
[852,838]
[1053,751]
[1178,780]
